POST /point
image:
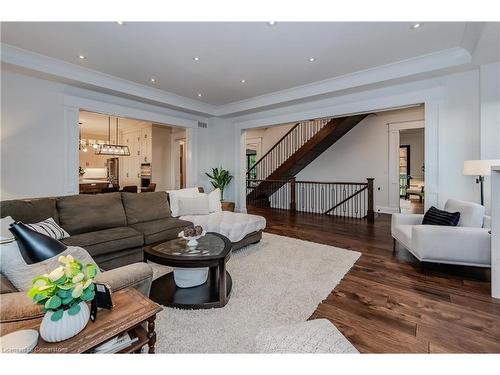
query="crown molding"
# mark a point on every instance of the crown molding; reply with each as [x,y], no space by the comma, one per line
[422,64]
[80,75]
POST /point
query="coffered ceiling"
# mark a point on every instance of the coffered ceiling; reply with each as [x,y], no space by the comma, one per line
[208,65]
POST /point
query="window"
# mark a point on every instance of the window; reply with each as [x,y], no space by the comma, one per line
[251,160]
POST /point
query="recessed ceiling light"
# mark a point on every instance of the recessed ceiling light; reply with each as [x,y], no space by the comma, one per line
[416,25]
[271,23]
[196,58]
[120,22]
[311,59]
[243,81]
[153,80]
[199,95]
[82,57]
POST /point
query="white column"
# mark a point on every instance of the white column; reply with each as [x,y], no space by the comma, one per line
[495,231]
[71,155]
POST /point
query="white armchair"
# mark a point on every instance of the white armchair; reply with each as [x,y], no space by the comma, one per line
[468,244]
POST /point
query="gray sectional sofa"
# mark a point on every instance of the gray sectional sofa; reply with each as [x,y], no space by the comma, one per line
[112,227]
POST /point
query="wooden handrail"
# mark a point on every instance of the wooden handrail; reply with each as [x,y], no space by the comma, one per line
[312,182]
[272,148]
[315,195]
[332,182]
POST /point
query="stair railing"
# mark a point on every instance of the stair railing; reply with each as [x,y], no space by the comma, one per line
[341,199]
[287,145]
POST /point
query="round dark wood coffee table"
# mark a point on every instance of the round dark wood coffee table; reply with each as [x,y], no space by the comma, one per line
[213,251]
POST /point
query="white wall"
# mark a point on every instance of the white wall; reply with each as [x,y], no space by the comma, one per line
[490,118]
[270,136]
[35,139]
[362,153]
[32,137]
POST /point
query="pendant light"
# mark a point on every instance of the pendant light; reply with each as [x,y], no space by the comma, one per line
[110,149]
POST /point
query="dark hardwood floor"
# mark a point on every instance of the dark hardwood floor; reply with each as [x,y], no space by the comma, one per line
[386,303]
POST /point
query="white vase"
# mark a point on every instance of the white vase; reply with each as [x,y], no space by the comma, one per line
[66,327]
[190,277]
[192,242]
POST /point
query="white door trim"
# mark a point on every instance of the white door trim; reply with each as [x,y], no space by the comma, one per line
[393,183]
[72,107]
[430,98]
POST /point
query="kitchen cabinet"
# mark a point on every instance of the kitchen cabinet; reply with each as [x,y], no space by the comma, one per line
[140,145]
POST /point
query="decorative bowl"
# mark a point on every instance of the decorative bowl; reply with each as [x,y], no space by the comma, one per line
[192,241]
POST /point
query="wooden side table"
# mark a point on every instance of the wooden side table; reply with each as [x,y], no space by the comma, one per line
[131,312]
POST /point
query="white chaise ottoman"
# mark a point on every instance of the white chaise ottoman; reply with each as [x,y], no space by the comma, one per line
[241,229]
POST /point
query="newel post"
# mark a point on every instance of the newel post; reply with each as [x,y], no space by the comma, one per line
[293,203]
[370,214]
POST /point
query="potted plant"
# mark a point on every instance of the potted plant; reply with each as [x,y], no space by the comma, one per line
[81,171]
[64,294]
[220,178]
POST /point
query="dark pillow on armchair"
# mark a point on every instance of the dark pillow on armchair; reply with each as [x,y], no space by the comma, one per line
[433,216]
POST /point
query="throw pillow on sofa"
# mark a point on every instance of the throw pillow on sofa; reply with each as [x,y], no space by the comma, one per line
[5,222]
[50,228]
[174,196]
[20,274]
[434,216]
[214,201]
[198,205]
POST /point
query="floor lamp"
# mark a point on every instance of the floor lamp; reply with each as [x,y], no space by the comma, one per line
[479,168]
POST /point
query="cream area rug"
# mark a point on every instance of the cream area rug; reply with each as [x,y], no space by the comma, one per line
[276,282]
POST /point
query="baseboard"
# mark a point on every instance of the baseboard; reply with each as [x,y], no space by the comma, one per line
[386,210]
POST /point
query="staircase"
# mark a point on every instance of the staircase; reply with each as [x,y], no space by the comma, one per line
[294,151]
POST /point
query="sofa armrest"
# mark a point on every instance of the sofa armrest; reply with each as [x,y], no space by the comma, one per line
[137,275]
[406,219]
[17,306]
[446,244]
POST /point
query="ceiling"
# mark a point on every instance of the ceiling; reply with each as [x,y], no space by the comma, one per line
[268,58]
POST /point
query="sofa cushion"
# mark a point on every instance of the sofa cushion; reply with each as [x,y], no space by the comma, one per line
[88,213]
[107,240]
[30,210]
[471,214]
[161,229]
[434,216]
[402,233]
[145,206]
[121,258]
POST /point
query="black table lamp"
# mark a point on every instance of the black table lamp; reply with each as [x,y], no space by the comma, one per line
[35,247]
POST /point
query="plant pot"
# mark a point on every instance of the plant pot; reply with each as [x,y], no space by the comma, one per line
[66,327]
[227,206]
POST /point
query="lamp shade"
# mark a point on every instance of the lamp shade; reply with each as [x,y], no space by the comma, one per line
[35,247]
[479,167]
